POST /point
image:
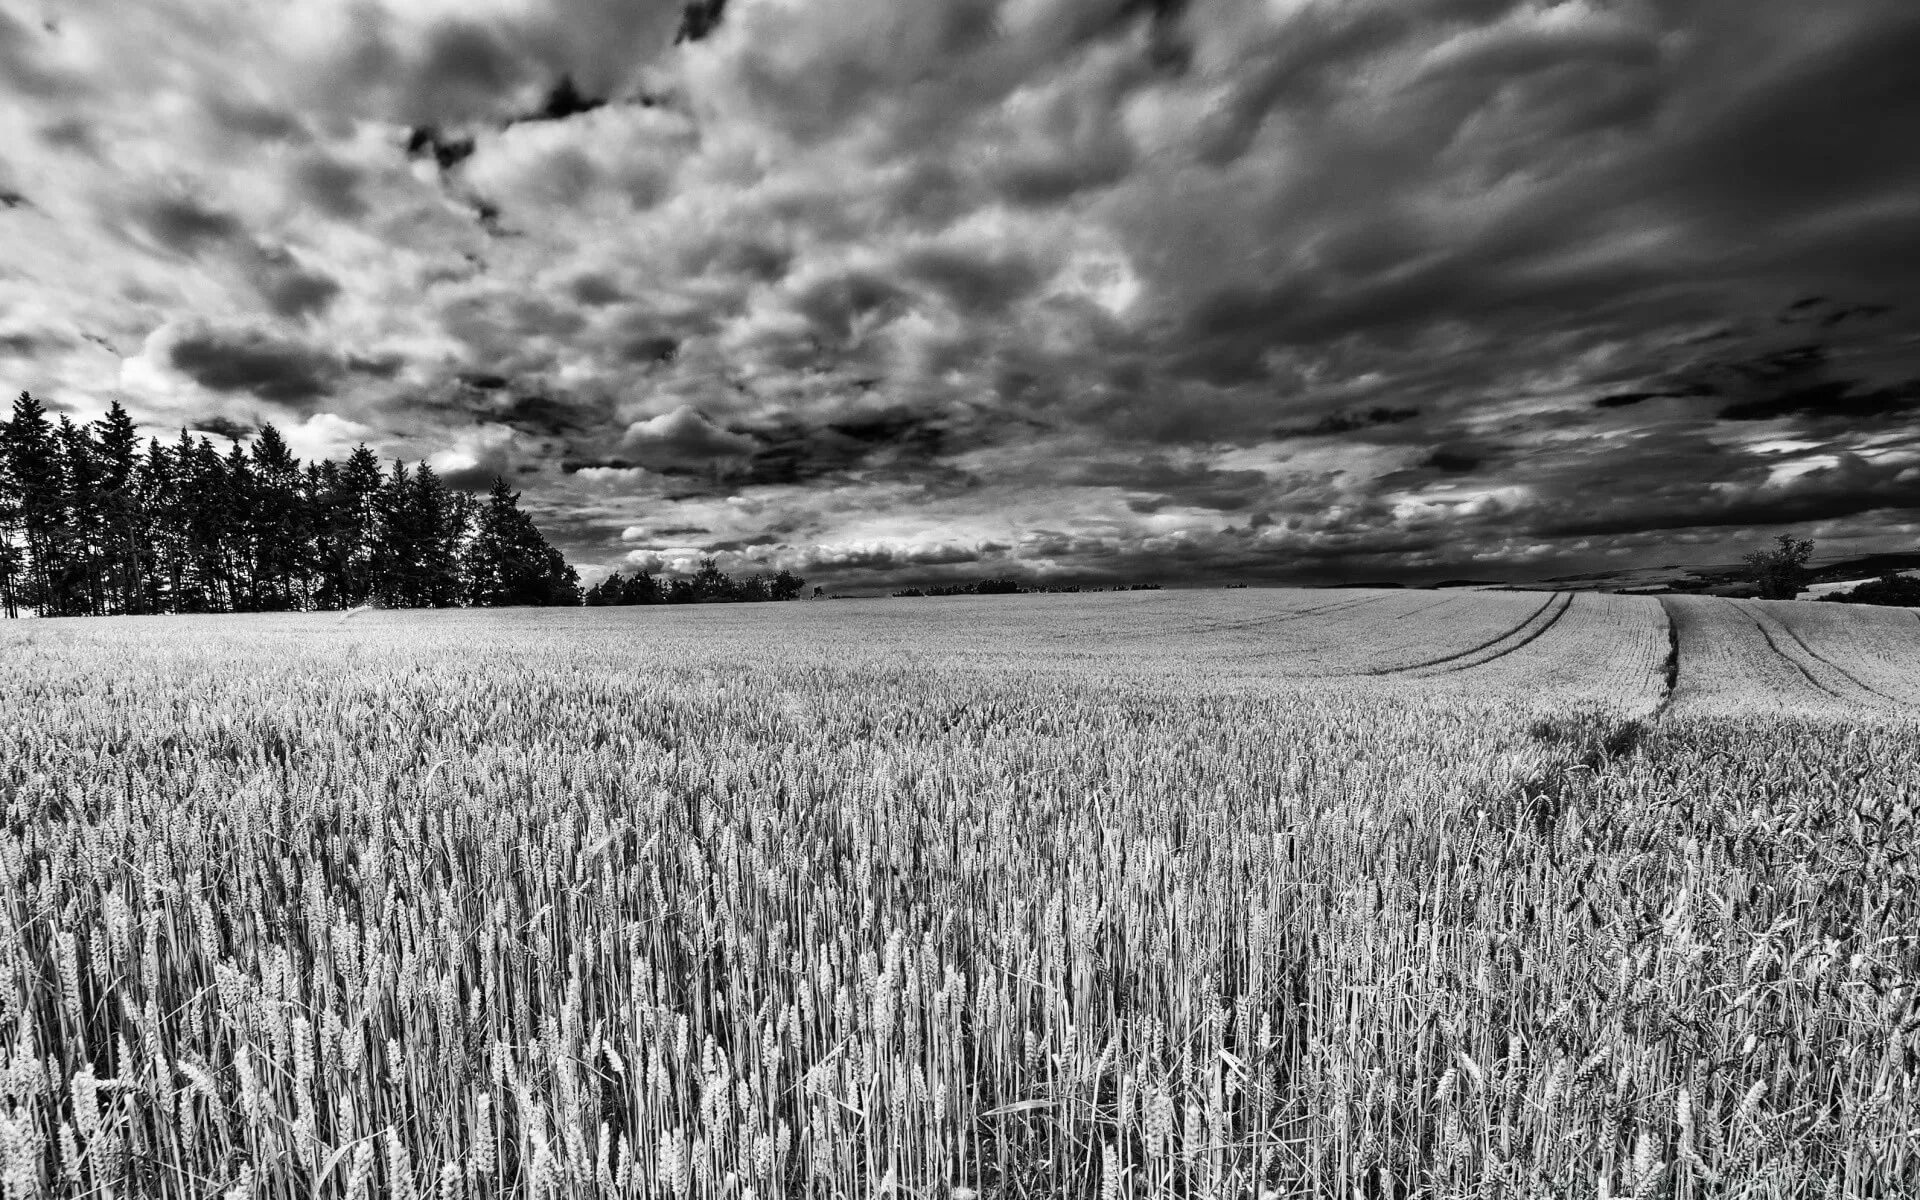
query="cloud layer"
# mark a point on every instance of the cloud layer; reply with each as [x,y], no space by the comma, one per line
[1102,289]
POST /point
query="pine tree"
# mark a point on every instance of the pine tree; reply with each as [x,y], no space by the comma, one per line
[90,525]
[13,557]
[205,515]
[32,467]
[397,541]
[122,516]
[440,516]
[508,563]
[562,581]
[329,550]
[239,501]
[358,511]
[80,530]
[165,562]
[276,518]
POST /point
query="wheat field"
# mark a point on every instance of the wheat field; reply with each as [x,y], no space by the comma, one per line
[1317,894]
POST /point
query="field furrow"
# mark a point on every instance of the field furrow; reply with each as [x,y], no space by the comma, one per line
[1811,676]
[1496,612]
[1595,652]
[1875,650]
[1828,675]
[1731,664]
[1537,625]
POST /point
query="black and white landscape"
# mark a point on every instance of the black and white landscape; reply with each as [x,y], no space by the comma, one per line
[959,599]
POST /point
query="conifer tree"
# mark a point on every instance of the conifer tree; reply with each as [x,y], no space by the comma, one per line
[122,515]
[32,476]
[507,561]
[276,521]
[92,524]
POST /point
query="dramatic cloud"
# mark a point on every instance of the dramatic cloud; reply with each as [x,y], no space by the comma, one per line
[1079,289]
[256,362]
[682,440]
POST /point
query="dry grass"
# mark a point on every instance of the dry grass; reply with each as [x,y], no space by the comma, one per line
[442,906]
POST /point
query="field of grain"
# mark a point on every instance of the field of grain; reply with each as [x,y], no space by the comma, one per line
[1235,894]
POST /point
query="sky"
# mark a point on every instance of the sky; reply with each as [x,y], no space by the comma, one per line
[1075,290]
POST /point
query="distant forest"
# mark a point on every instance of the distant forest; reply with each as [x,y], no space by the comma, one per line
[707,585]
[92,523]
[1013,587]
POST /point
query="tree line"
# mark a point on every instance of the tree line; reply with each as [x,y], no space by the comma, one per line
[1782,573]
[93,523]
[1000,586]
[708,585]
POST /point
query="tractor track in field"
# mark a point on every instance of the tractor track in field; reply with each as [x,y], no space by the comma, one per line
[1792,661]
[1281,618]
[1671,668]
[1818,657]
[1252,655]
[1506,650]
[1567,602]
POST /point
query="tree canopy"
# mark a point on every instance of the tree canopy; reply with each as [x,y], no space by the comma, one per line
[92,524]
[1781,572]
[707,585]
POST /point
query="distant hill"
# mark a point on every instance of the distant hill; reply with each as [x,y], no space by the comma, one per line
[1718,579]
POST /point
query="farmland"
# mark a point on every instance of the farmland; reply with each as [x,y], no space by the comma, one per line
[1301,893]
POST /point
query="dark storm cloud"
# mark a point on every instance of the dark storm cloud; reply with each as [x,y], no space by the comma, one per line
[331,186]
[1236,288]
[258,122]
[290,289]
[550,417]
[426,141]
[1629,399]
[71,133]
[863,438]
[1453,459]
[736,545]
[970,281]
[226,427]
[1833,130]
[543,415]
[835,305]
[1836,399]
[1169,482]
[700,19]
[651,348]
[186,226]
[465,68]
[684,440]
[885,558]
[564,101]
[594,289]
[254,361]
[1849,488]
[1350,421]
[1768,373]
[23,67]
[378,366]
[896,428]
[29,342]
[671,533]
